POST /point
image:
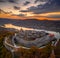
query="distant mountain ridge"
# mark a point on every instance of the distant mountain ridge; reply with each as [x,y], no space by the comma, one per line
[33,23]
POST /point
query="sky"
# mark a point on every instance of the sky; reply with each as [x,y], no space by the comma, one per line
[30,9]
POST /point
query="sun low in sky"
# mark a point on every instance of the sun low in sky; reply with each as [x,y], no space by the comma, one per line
[30,9]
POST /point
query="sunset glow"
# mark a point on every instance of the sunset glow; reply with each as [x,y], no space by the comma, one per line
[30,15]
[15,27]
[40,10]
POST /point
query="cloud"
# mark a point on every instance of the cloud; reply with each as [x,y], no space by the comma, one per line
[26,3]
[53,16]
[23,11]
[2,11]
[40,1]
[30,9]
[2,1]
[22,15]
[50,6]
[16,8]
[11,1]
[10,12]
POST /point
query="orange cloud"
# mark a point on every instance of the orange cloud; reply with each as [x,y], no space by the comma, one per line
[11,16]
[50,13]
[43,16]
